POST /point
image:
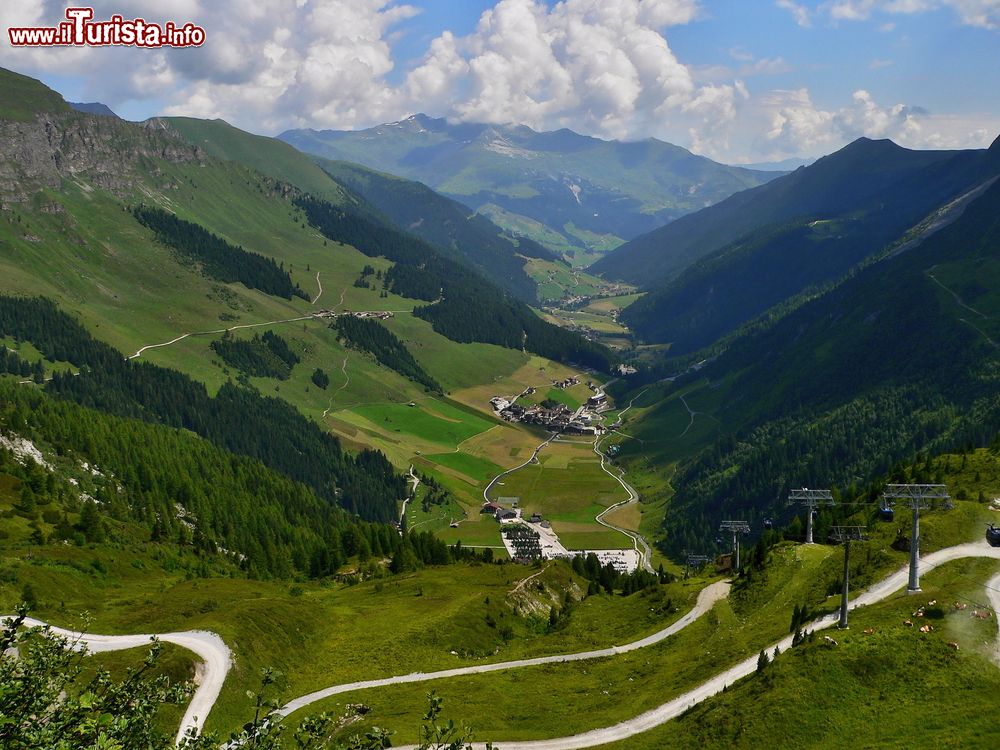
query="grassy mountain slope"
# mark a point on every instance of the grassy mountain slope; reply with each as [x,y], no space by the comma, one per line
[446,224]
[24,98]
[898,359]
[566,191]
[70,237]
[864,177]
[472,240]
[268,156]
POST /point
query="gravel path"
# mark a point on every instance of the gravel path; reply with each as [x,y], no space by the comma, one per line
[217,659]
[706,600]
[993,592]
[638,540]
[674,708]
[218,330]
[320,292]
[210,647]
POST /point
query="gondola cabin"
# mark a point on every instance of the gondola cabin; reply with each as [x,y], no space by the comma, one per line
[768,523]
[885,512]
[993,535]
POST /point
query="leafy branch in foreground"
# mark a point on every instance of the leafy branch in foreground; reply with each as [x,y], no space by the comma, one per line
[47,703]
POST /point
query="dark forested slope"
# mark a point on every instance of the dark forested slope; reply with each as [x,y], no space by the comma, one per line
[894,184]
[900,358]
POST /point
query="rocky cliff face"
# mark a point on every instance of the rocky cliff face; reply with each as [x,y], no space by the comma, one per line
[100,151]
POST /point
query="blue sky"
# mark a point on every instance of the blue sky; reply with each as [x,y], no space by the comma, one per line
[737,80]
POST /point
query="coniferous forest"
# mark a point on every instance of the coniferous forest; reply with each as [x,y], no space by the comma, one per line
[267,356]
[219,259]
[238,418]
[373,337]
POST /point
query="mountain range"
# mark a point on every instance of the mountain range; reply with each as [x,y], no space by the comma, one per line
[137,236]
[832,321]
[577,195]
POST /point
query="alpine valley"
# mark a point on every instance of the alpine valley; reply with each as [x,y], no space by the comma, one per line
[522,414]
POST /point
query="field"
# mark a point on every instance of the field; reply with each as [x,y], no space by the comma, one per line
[568,487]
[607,305]
[431,421]
[321,634]
[556,281]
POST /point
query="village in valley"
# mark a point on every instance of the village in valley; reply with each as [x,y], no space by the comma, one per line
[557,417]
[533,538]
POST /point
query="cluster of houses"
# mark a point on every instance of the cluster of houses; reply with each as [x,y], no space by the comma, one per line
[500,513]
[533,538]
[599,400]
[505,515]
[558,418]
[567,383]
[378,314]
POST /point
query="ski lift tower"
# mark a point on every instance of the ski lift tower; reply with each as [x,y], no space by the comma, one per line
[811,499]
[737,528]
[917,496]
[846,534]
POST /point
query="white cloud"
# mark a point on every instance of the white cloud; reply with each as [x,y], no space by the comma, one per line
[797,126]
[600,66]
[799,12]
[266,66]
[982,13]
[765,66]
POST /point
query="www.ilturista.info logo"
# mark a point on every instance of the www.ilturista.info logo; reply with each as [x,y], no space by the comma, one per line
[79,30]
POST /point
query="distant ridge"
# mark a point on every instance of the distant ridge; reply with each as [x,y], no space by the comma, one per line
[847,180]
[578,195]
[94,108]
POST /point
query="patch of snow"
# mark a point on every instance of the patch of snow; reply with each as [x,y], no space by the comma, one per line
[502,146]
[575,190]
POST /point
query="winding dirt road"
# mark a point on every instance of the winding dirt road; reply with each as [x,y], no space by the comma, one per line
[674,708]
[706,600]
[219,330]
[217,659]
[505,472]
[210,647]
[320,292]
[638,540]
[347,380]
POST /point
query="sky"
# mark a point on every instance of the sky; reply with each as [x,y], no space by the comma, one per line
[740,81]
